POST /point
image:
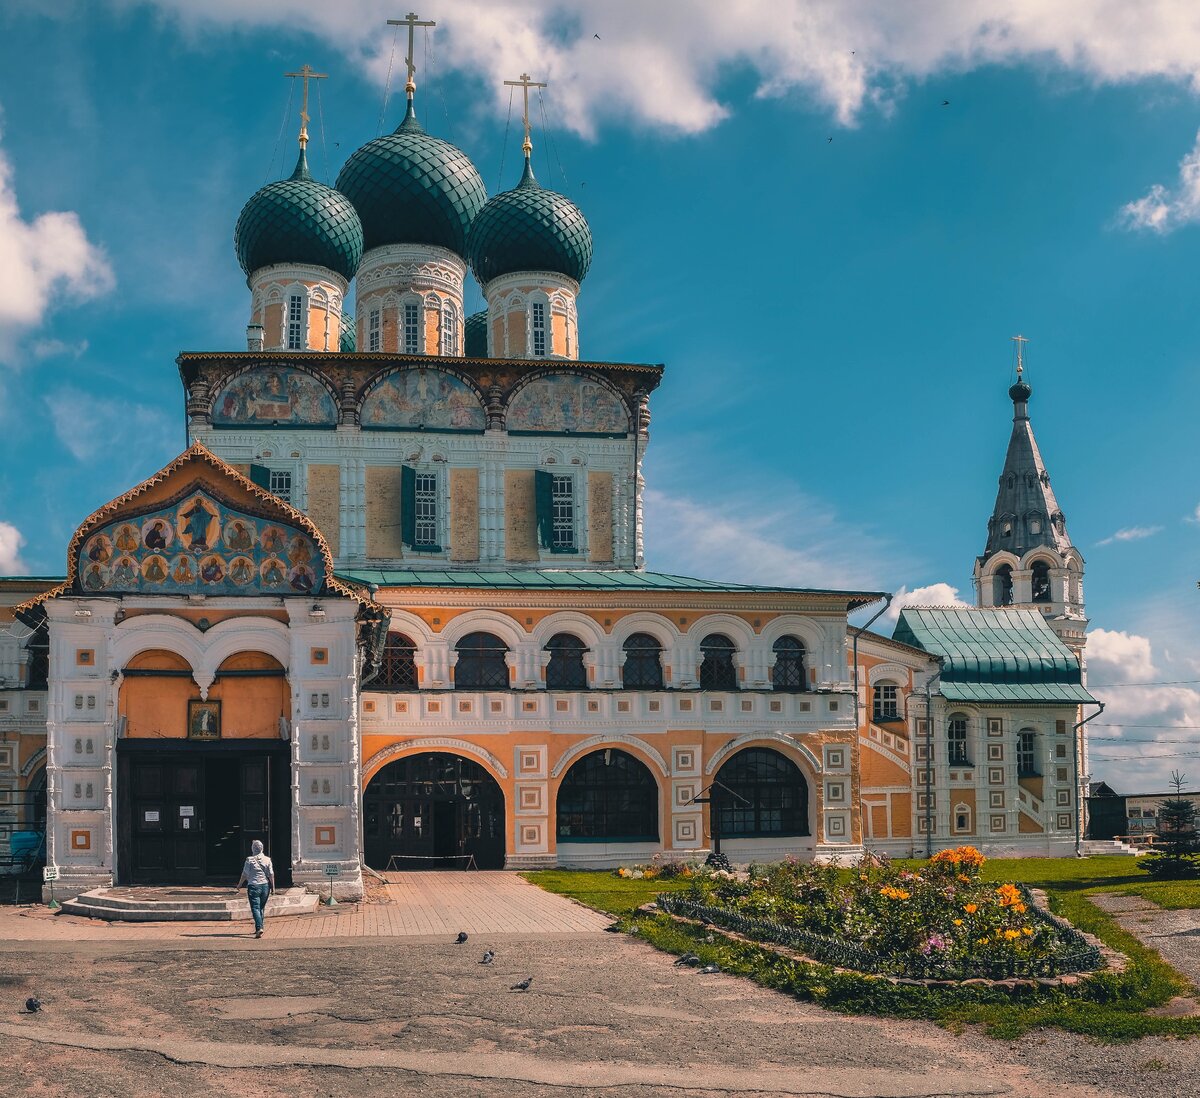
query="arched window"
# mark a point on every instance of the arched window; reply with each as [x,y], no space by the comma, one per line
[962,819]
[1041,581]
[398,666]
[481,664]
[296,322]
[789,673]
[643,663]
[1002,586]
[885,702]
[1027,753]
[449,328]
[410,313]
[539,328]
[716,664]
[608,795]
[760,792]
[956,741]
[566,671]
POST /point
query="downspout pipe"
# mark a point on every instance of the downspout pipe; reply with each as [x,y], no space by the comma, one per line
[1079,798]
[887,601]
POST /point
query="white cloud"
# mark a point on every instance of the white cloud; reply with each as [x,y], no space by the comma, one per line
[41,349]
[933,594]
[1130,533]
[1162,209]
[88,425]
[43,262]
[11,541]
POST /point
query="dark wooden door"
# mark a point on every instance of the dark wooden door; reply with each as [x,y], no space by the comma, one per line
[168,821]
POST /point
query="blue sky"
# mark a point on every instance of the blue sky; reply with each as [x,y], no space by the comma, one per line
[834,314]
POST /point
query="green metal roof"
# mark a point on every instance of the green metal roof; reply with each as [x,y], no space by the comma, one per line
[530,229]
[995,655]
[299,220]
[552,579]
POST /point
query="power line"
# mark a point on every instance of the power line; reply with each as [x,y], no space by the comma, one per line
[1168,682]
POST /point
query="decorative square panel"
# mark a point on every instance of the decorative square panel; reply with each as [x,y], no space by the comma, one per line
[1060,750]
[5,757]
[496,707]
[715,705]
[747,705]
[529,798]
[921,751]
[319,656]
[561,706]
[531,834]
[995,752]
[685,705]
[1062,798]
[654,705]
[995,726]
[1060,774]
[685,760]
[996,798]
[464,706]
[926,800]
[835,826]
[995,775]
[685,792]
[528,705]
[85,657]
[81,840]
[530,761]
[593,707]
[622,707]
[835,792]
[998,823]
[369,706]
[1064,821]
[835,758]
[687,832]
[434,706]
[777,706]
[401,707]
[325,836]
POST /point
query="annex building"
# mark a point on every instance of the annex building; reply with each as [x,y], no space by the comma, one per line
[390,606]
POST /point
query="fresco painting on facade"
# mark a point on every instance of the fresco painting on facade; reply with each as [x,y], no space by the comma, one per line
[223,552]
[423,398]
[279,395]
[567,403]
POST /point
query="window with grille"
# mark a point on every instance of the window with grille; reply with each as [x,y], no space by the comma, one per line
[398,667]
[374,330]
[608,795]
[885,702]
[1041,581]
[449,329]
[281,484]
[760,792]
[566,670]
[789,673]
[643,663]
[716,664]
[426,509]
[295,326]
[1003,586]
[562,502]
[537,313]
[956,742]
[481,664]
[412,344]
[1027,754]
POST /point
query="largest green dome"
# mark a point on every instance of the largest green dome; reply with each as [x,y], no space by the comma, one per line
[412,188]
[299,220]
[530,229]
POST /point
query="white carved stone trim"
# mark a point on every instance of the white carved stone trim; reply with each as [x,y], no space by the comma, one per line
[766,739]
[606,740]
[433,743]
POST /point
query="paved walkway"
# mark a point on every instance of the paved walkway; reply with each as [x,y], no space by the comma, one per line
[428,904]
[1174,934]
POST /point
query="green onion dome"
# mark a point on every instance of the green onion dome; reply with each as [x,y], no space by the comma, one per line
[299,220]
[412,188]
[348,342]
[1020,392]
[530,229]
[475,335]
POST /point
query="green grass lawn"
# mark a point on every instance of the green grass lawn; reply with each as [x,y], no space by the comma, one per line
[1109,1008]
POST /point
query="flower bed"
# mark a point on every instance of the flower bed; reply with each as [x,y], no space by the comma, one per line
[941,923]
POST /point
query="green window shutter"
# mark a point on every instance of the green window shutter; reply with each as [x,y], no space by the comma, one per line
[261,476]
[543,494]
[408,506]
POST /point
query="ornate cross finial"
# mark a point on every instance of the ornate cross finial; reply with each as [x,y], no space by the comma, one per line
[525,84]
[412,21]
[1020,341]
[306,74]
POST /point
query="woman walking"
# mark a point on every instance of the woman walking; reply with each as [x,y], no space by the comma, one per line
[258,875]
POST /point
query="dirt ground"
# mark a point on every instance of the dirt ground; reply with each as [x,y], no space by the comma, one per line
[222,1014]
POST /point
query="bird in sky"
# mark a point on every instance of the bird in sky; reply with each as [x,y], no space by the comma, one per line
[523,985]
[687,959]
[708,970]
[33,1004]
[945,102]
[829,142]
[462,937]
[597,37]
[489,956]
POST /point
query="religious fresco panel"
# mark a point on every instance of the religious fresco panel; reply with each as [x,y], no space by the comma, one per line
[567,403]
[200,545]
[275,395]
[431,399]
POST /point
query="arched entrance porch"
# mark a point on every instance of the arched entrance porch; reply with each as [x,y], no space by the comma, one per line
[433,810]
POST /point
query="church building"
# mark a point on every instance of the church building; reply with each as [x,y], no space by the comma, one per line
[390,607]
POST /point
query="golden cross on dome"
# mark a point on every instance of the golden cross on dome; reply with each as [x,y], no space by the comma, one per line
[525,84]
[306,74]
[412,21]
[1020,341]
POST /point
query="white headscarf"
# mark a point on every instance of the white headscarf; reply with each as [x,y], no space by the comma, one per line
[256,847]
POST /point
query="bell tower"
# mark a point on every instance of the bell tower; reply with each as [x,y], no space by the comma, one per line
[1029,562]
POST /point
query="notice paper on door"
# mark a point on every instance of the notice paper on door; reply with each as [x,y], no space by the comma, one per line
[186,824]
[187,810]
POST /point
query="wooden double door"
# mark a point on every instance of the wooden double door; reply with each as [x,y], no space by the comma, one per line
[189,817]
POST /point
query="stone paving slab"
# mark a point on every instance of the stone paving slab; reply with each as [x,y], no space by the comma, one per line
[1174,934]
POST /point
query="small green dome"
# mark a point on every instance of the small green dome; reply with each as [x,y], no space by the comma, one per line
[530,229]
[475,335]
[411,188]
[348,343]
[299,220]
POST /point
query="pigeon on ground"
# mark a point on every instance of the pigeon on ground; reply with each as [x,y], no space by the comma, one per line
[488,957]
[523,985]
[613,928]
[33,1004]
[687,959]
[708,970]
[462,937]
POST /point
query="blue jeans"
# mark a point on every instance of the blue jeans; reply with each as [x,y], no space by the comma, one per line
[257,895]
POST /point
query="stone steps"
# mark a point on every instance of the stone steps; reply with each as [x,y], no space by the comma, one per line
[147,905]
[1107,846]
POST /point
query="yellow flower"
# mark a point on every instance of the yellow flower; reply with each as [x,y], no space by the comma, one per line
[893,893]
[1027,932]
[862,876]
[1020,908]
[1009,935]
[970,909]
[958,922]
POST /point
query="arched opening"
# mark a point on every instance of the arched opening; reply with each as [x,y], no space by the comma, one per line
[760,792]
[398,665]
[789,674]
[956,741]
[717,671]
[1041,581]
[642,669]
[608,796]
[431,811]
[566,670]
[481,664]
[1002,586]
[885,701]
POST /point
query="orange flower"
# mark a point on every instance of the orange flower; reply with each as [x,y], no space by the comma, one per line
[970,909]
[894,893]
[958,922]
[1009,895]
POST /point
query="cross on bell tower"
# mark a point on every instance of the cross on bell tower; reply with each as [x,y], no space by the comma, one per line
[525,83]
[306,74]
[412,21]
